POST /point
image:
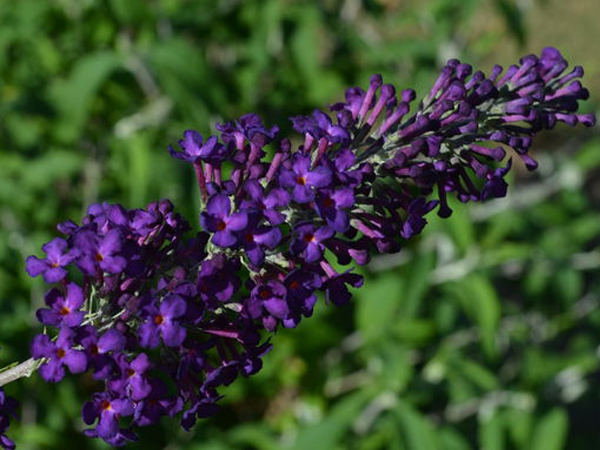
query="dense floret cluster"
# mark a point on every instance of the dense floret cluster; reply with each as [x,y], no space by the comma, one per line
[8,411]
[162,319]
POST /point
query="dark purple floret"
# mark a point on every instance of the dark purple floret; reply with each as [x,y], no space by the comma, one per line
[247,127]
[337,290]
[267,302]
[195,149]
[415,220]
[268,204]
[308,242]
[99,349]
[163,321]
[332,205]
[320,125]
[100,252]
[156,404]
[58,354]
[302,180]
[219,220]
[64,309]
[256,240]
[8,412]
[133,380]
[52,268]
[108,409]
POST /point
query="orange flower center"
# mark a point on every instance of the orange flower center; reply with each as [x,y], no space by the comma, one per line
[309,237]
[158,319]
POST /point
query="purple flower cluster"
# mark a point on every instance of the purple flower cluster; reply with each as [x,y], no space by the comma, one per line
[130,283]
[8,408]
[161,321]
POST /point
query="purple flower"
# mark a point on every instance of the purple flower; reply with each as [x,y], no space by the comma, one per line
[205,407]
[308,241]
[156,404]
[133,380]
[107,409]
[336,290]
[320,125]
[350,187]
[218,280]
[255,240]
[163,322]
[97,349]
[302,179]
[301,286]
[8,411]
[64,309]
[267,204]
[415,222]
[194,149]
[52,267]
[218,220]
[331,204]
[100,252]
[267,301]
[58,355]
[250,127]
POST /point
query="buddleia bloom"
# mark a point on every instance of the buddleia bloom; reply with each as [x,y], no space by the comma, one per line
[361,180]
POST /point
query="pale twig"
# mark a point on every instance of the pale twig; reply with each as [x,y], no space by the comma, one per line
[22,370]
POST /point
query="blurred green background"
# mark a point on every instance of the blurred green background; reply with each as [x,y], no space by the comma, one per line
[482,334]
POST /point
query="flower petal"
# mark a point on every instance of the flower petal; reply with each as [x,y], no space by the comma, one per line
[75,360]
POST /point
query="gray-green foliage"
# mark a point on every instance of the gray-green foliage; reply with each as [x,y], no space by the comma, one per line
[483,334]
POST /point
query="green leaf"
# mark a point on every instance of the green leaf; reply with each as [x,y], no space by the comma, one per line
[491,433]
[452,439]
[477,374]
[376,306]
[417,284]
[330,431]
[519,423]
[461,227]
[418,432]
[550,432]
[74,95]
[513,17]
[257,435]
[479,300]
[588,156]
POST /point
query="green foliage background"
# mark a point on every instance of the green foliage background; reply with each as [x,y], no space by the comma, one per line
[483,334]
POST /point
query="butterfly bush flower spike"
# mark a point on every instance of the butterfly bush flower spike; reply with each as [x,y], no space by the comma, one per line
[163,317]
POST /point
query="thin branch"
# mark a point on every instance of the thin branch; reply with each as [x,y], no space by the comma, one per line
[24,369]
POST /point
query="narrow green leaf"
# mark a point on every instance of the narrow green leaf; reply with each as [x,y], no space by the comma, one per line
[330,431]
[376,307]
[418,432]
[491,433]
[73,96]
[550,432]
